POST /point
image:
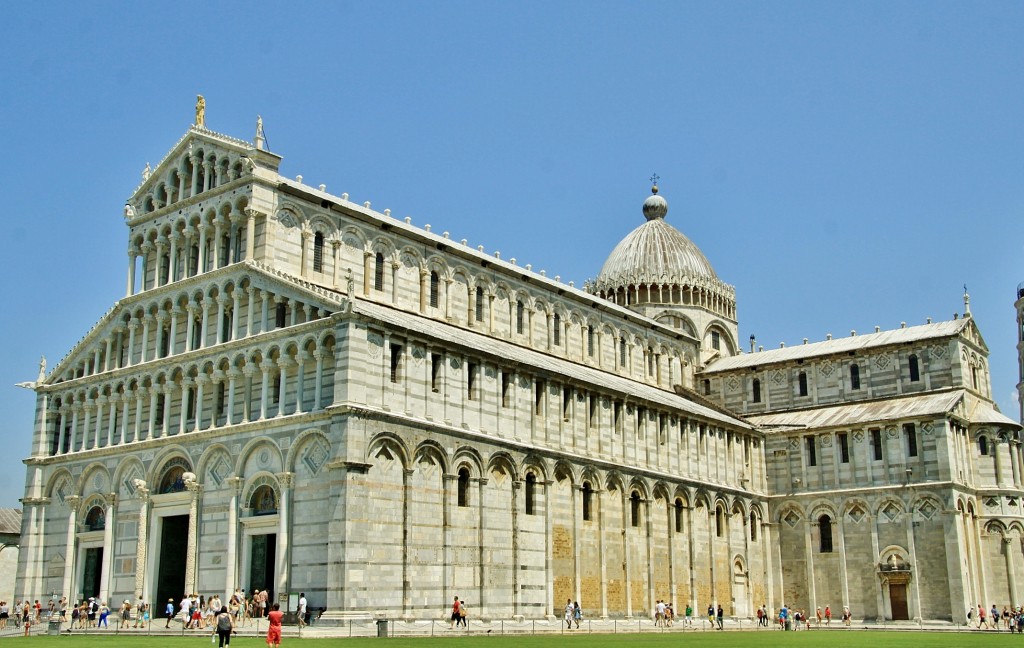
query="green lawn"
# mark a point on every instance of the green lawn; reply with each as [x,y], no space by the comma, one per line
[763,639]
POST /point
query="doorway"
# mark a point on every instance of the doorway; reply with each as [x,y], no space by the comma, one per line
[262,559]
[898,601]
[170,578]
[92,572]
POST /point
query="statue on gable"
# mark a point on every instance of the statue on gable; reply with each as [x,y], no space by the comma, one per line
[200,111]
[42,369]
[146,172]
[129,211]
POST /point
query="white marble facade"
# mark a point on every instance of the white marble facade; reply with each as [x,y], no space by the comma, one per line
[301,393]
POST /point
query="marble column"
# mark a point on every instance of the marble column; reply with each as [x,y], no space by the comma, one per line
[192,552]
[231,566]
[108,544]
[286,480]
[69,548]
[142,492]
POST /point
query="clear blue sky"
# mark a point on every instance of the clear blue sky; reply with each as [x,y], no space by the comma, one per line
[842,164]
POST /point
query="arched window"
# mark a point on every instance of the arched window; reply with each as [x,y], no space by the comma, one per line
[634,508]
[590,341]
[165,269]
[318,252]
[757,390]
[753,527]
[854,377]
[707,387]
[983,445]
[173,480]
[679,515]
[588,502]
[378,272]
[95,519]
[519,317]
[719,522]
[263,501]
[556,330]
[531,493]
[479,304]
[463,487]
[802,379]
[825,534]
[622,352]
[435,289]
[915,370]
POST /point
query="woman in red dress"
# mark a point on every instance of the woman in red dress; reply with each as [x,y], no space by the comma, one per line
[274,631]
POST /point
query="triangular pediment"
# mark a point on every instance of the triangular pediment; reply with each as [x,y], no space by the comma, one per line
[199,152]
[972,333]
[95,341]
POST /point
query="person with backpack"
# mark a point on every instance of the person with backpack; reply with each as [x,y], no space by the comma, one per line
[169,612]
[224,625]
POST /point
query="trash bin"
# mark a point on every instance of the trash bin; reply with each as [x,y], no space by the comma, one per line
[54,627]
[382,628]
[789,624]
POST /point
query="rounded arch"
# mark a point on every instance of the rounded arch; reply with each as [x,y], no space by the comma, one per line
[388,445]
[60,480]
[300,442]
[431,451]
[467,457]
[208,460]
[95,479]
[639,485]
[130,467]
[256,492]
[504,462]
[535,464]
[252,447]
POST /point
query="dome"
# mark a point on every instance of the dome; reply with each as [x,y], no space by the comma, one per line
[655,253]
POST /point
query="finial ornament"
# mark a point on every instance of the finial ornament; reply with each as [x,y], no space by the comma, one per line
[654,183]
[967,302]
[259,132]
[200,111]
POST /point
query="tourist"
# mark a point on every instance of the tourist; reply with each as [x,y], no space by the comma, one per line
[711,615]
[169,612]
[185,610]
[140,610]
[26,616]
[104,613]
[993,619]
[63,609]
[570,612]
[274,631]
[847,616]
[302,610]
[828,616]
[462,613]
[689,616]
[659,613]
[39,611]
[126,615]
[455,613]
[577,615]
[670,615]
[4,615]
[817,613]
[721,614]
[224,625]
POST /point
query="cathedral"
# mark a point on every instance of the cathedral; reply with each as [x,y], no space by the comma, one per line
[300,393]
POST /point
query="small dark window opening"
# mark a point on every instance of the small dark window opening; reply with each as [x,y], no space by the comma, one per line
[219,400]
[225,327]
[538,398]
[844,447]
[318,252]
[471,370]
[634,509]
[854,377]
[160,409]
[396,362]
[802,379]
[876,444]
[463,487]
[662,429]
[679,515]
[531,494]
[566,402]
[915,370]
[190,411]
[281,316]
[506,382]
[165,269]
[519,317]
[588,501]
[757,390]
[165,342]
[197,333]
[622,352]
[983,445]
[618,417]
[719,522]
[753,527]
[641,421]
[436,361]
[274,397]
[650,361]
[707,387]
[479,304]
[378,272]
[592,421]
[824,534]
[435,289]
[812,455]
[910,432]
[556,330]
[590,341]
[716,340]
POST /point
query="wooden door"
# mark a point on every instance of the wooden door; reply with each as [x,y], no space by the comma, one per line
[898,602]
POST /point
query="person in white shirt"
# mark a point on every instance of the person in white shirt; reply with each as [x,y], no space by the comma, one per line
[302,609]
